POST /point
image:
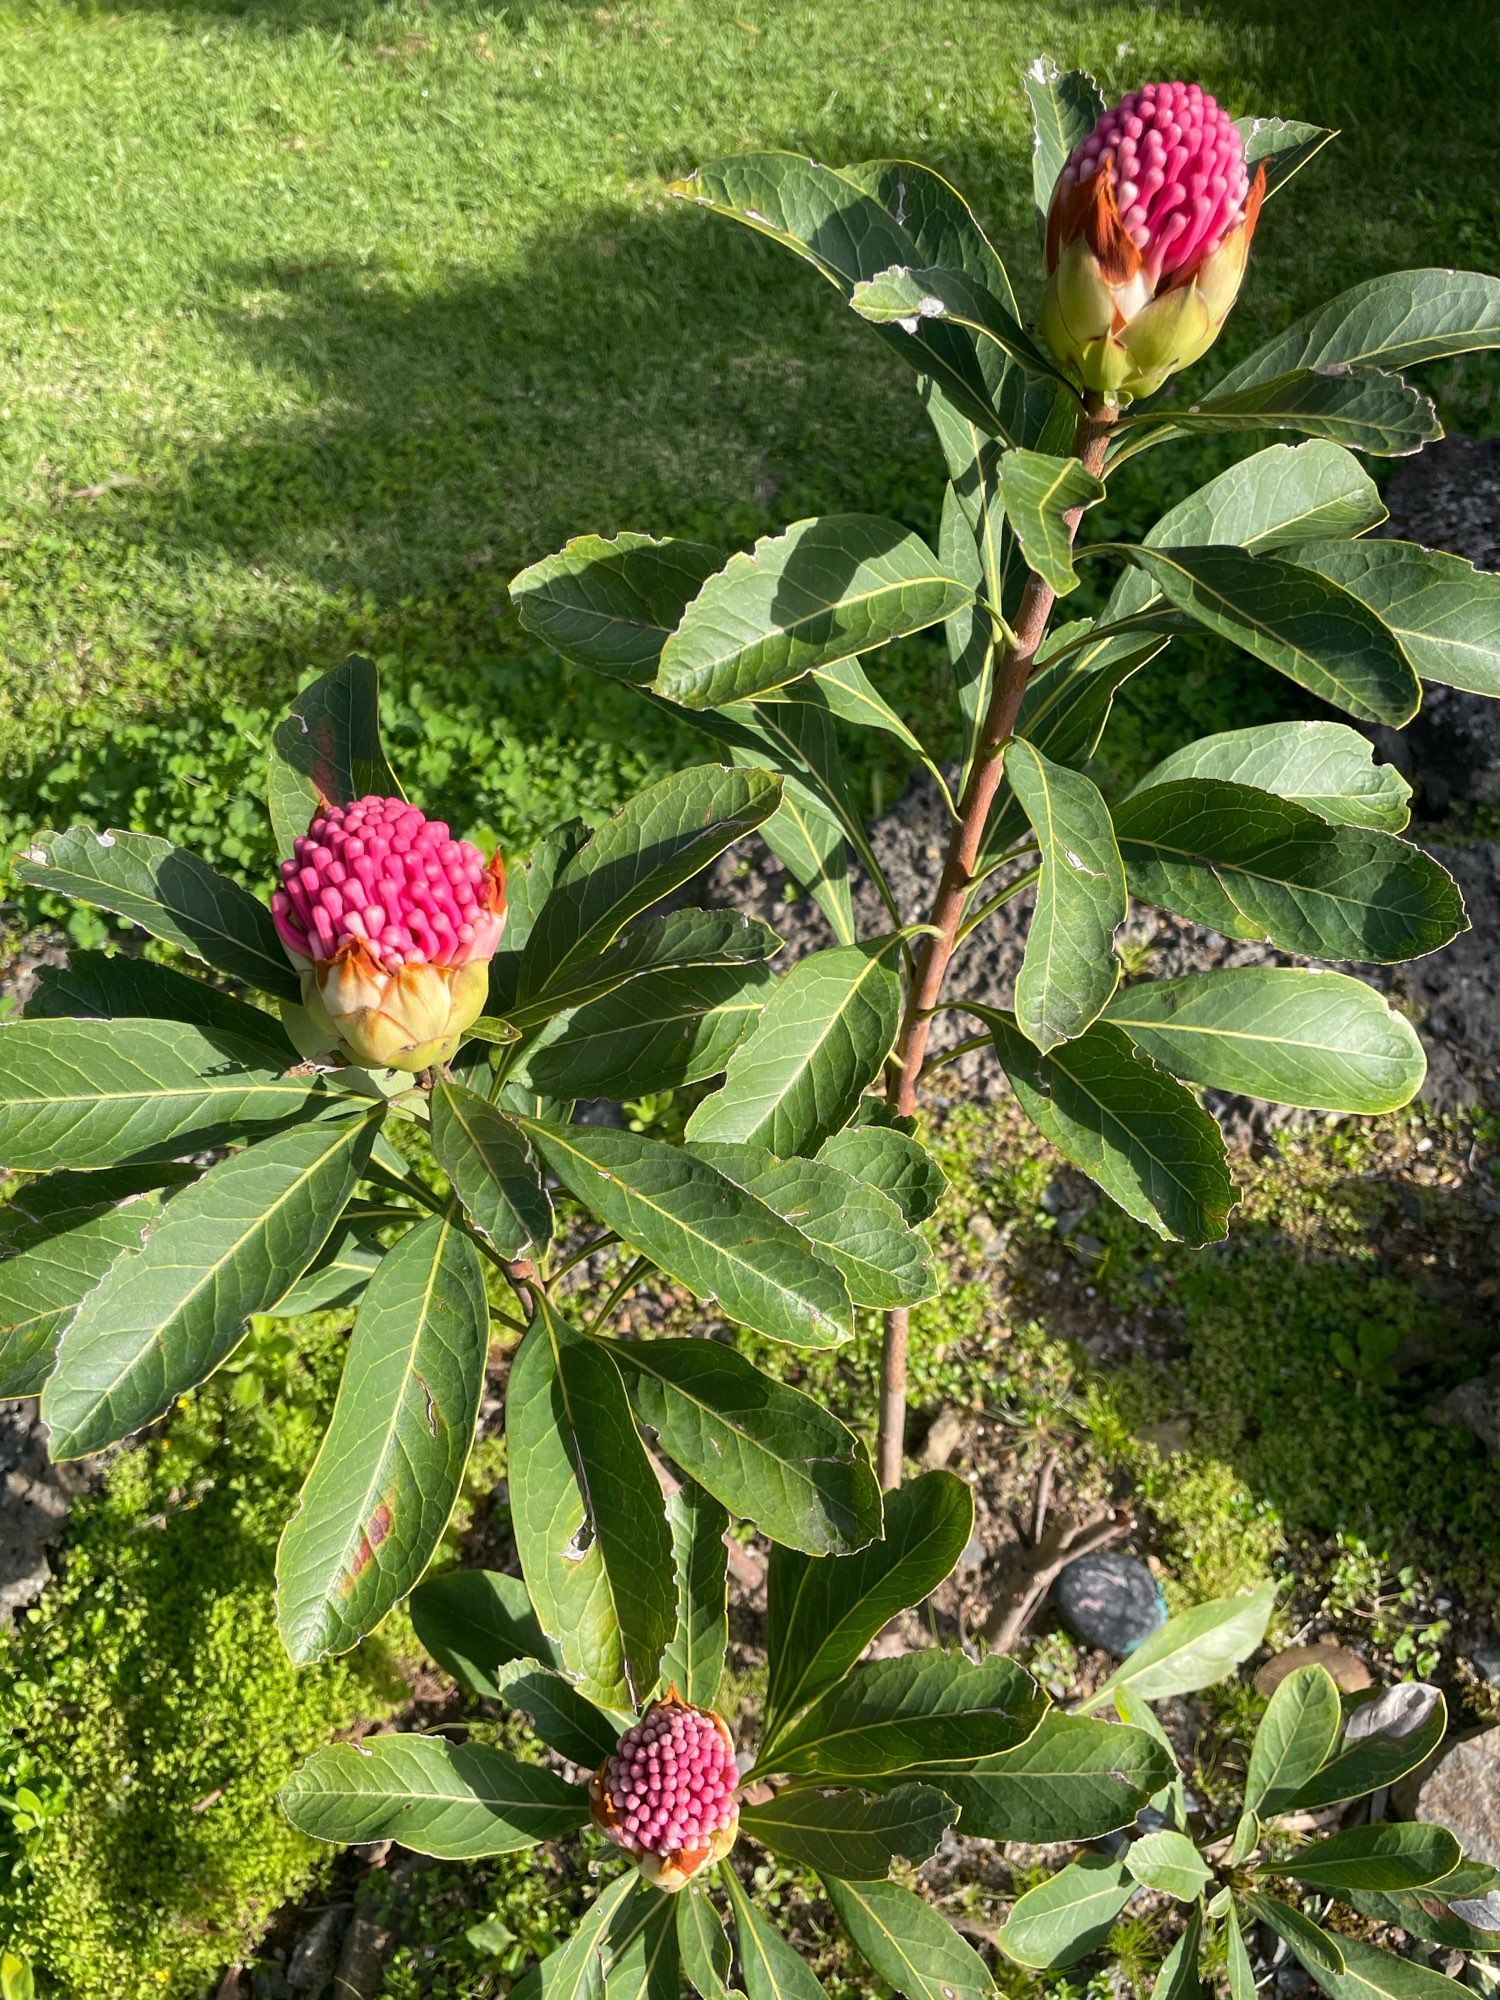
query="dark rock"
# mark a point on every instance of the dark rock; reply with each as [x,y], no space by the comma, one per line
[1459,1789]
[1474,1406]
[1109,1600]
[311,1966]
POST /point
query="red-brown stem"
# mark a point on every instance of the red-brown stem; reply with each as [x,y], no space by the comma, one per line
[1012,671]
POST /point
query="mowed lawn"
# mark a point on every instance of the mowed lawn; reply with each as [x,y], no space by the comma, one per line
[322,317]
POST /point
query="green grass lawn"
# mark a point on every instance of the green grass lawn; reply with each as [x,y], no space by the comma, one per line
[321,317]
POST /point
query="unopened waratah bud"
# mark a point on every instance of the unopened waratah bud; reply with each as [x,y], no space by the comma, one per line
[1147,236]
[667,1795]
[391,924]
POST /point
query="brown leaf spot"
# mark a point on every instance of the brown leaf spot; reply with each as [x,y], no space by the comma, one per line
[374,1534]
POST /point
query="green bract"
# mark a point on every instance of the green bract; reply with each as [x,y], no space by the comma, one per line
[195,1173]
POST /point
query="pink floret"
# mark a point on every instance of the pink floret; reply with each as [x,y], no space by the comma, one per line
[1180,178]
[672,1781]
[380,872]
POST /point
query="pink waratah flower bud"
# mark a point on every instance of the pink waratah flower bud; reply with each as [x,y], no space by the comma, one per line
[392,925]
[1147,236]
[667,1794]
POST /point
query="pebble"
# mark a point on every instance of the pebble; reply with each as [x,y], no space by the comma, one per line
[1486,1663]
[1473,1406]
[944,1435]
[1110,1600]
[973,1554]
[1350,1674]
[1459,1789]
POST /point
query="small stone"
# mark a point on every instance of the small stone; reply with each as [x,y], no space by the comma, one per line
[989,1241]
[973,1554]
[1473,1406]
[1486,1663]
[1459,1789]
[944,1435]
[312,1963]
[1109,1600]
[1350,1674]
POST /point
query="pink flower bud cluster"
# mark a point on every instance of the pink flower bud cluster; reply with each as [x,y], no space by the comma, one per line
[1180,180]
[672,1781]
[380,873]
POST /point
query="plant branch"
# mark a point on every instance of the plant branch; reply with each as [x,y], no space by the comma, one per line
[1012,671]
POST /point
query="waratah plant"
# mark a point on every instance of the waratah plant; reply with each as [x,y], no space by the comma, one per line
[392,1137]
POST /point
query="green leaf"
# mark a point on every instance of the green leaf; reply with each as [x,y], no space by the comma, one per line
[1372,1974]
[643,1961]
[92,1093]
[909,297]
[1281,1033]
[1388,1858]
[899,1715]
[327,748]
[170,1310]
[1312,630]
[610,603]
[1065,107]
[1069,1915]
[1284,496]
[769,1453]
[912,1947]
[822,1614]
[1069,969]
[575,1969]
[821,1041]
[1283,146]
[1194,1649]
[1171,1800]
[474,1622]
[1310,1941]
[704,1230]
[335,1277]
[1136,1131]
[820,592]
[1372,1762]
[846,691]
[702,1943]
[1395,321]
[491,1169]
[1178,1978]
[677,941]
[387,1473]
[170,893]
[1445,613]
[1242,1984]
[852,1831]
[693,1662]
[1043,498]
[457,1801]
[528,889]
[1295,1738]
[565,1719]
[587,1513]
[650,847]
[1432,1915]
[1168,1861]
[103,986]
[1364,408]
[772,1970]
[1072,1779]
[846,234]
[657,1032]
[1255,866]
[807,837]
[1325,766]
[894,1163]
[862,1233]
[42,1284]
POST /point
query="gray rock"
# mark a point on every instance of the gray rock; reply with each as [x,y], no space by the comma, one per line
[1486,1663]
[973,1554]
[1109,1600]
[944,1435]
[1474,1406]
[1459,1789]
[311,1966]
